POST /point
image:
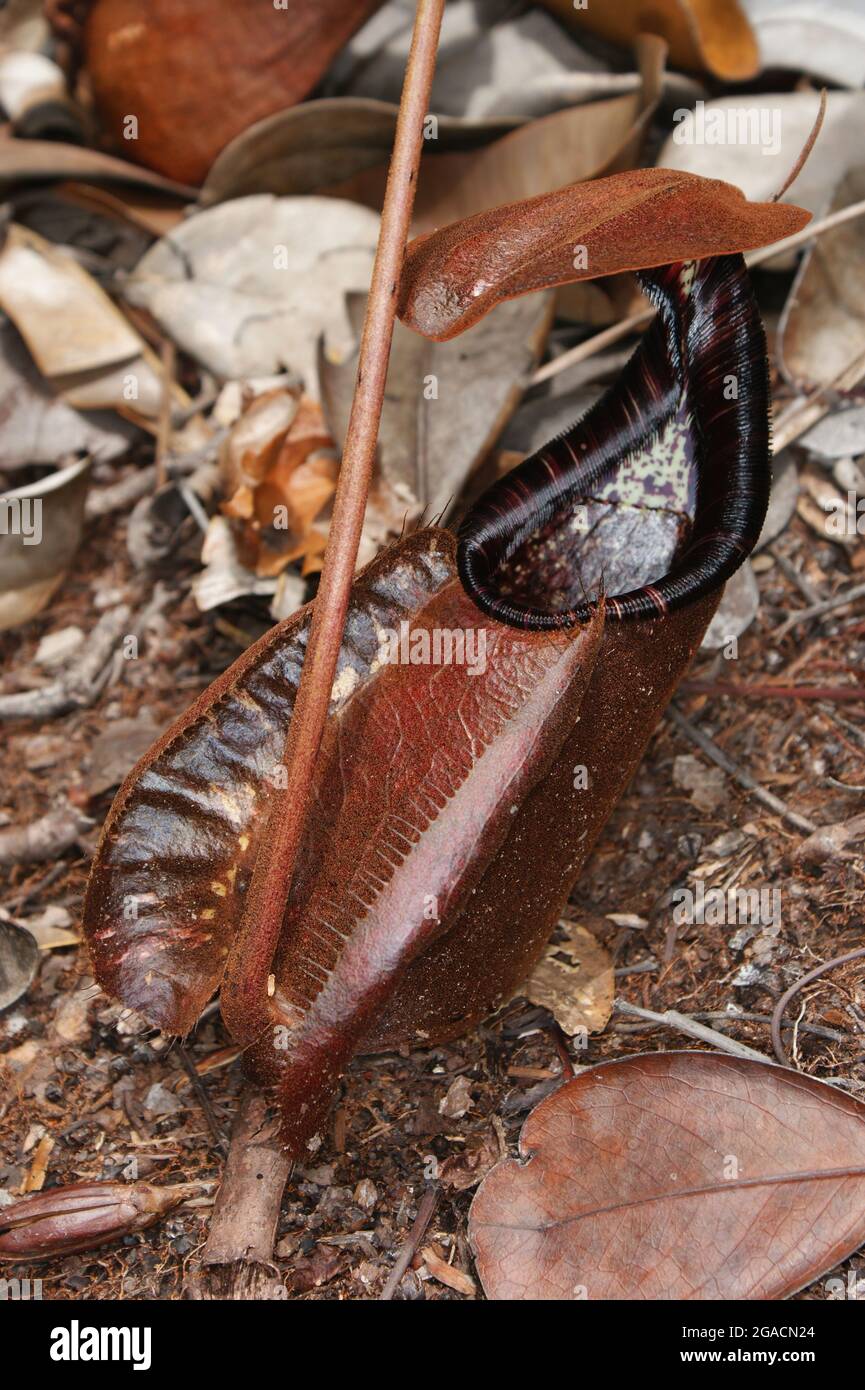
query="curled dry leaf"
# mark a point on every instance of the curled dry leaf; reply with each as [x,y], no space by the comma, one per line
[492,61]
[702,34]
[822,329]
[574,980]
[827,40]
[279,472]
[640,218]
[683,1175]
[267,57]
[42,530]
[19,962]
[82,1216]
[81,343]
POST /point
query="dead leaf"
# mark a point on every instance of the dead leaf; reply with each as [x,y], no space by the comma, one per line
[782,498]
[827,40]
[39,426]
[677,1175]
[19,962]
[702,34]
[43,524]
[491,62]
[79,340]
[739,606]
[574,980]
[632,220]
[830,841]
[38,1170]
[447,1274]
[306,147]
[34,161]
[579,142]
[838,435]
[266,57]
[822,329]
[445,403]
[250,286]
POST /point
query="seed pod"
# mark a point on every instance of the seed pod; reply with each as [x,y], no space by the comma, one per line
[61,1220]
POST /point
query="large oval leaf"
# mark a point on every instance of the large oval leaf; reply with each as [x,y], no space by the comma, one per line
[685,1175]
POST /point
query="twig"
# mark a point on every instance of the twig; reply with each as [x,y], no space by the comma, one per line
[46,838]
[81,684]
[237,1261]
[765,690]
[163,436]
[784,1001]
[799,417]
[204,1100]
[410,1248]
[817,610]
[689,1026]
[721,759]
[246,1006]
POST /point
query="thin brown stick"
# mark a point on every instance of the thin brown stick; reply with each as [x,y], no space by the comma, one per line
[732,769]
[163,436]
[246,1005]
[805,151]
[409,1250]
[765,690]
[783,1002]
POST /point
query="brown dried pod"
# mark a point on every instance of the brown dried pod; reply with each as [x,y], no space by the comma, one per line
[60,1220]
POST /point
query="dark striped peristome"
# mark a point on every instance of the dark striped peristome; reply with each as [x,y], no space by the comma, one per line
[669,470]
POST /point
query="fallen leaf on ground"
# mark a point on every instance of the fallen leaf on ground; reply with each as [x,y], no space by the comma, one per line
[265,57]
[38,425]
[81,343]
[830,841]
[447,1274]
[739,606]
[302,149]
[685,1175]
[445,403]
[822,329]
[19,962]
[782,498]
[250,286]
[34,161]
[827,40]
[574,980]
[489,64]
[279,482]
[43,524]
[579,142]
[710,34]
